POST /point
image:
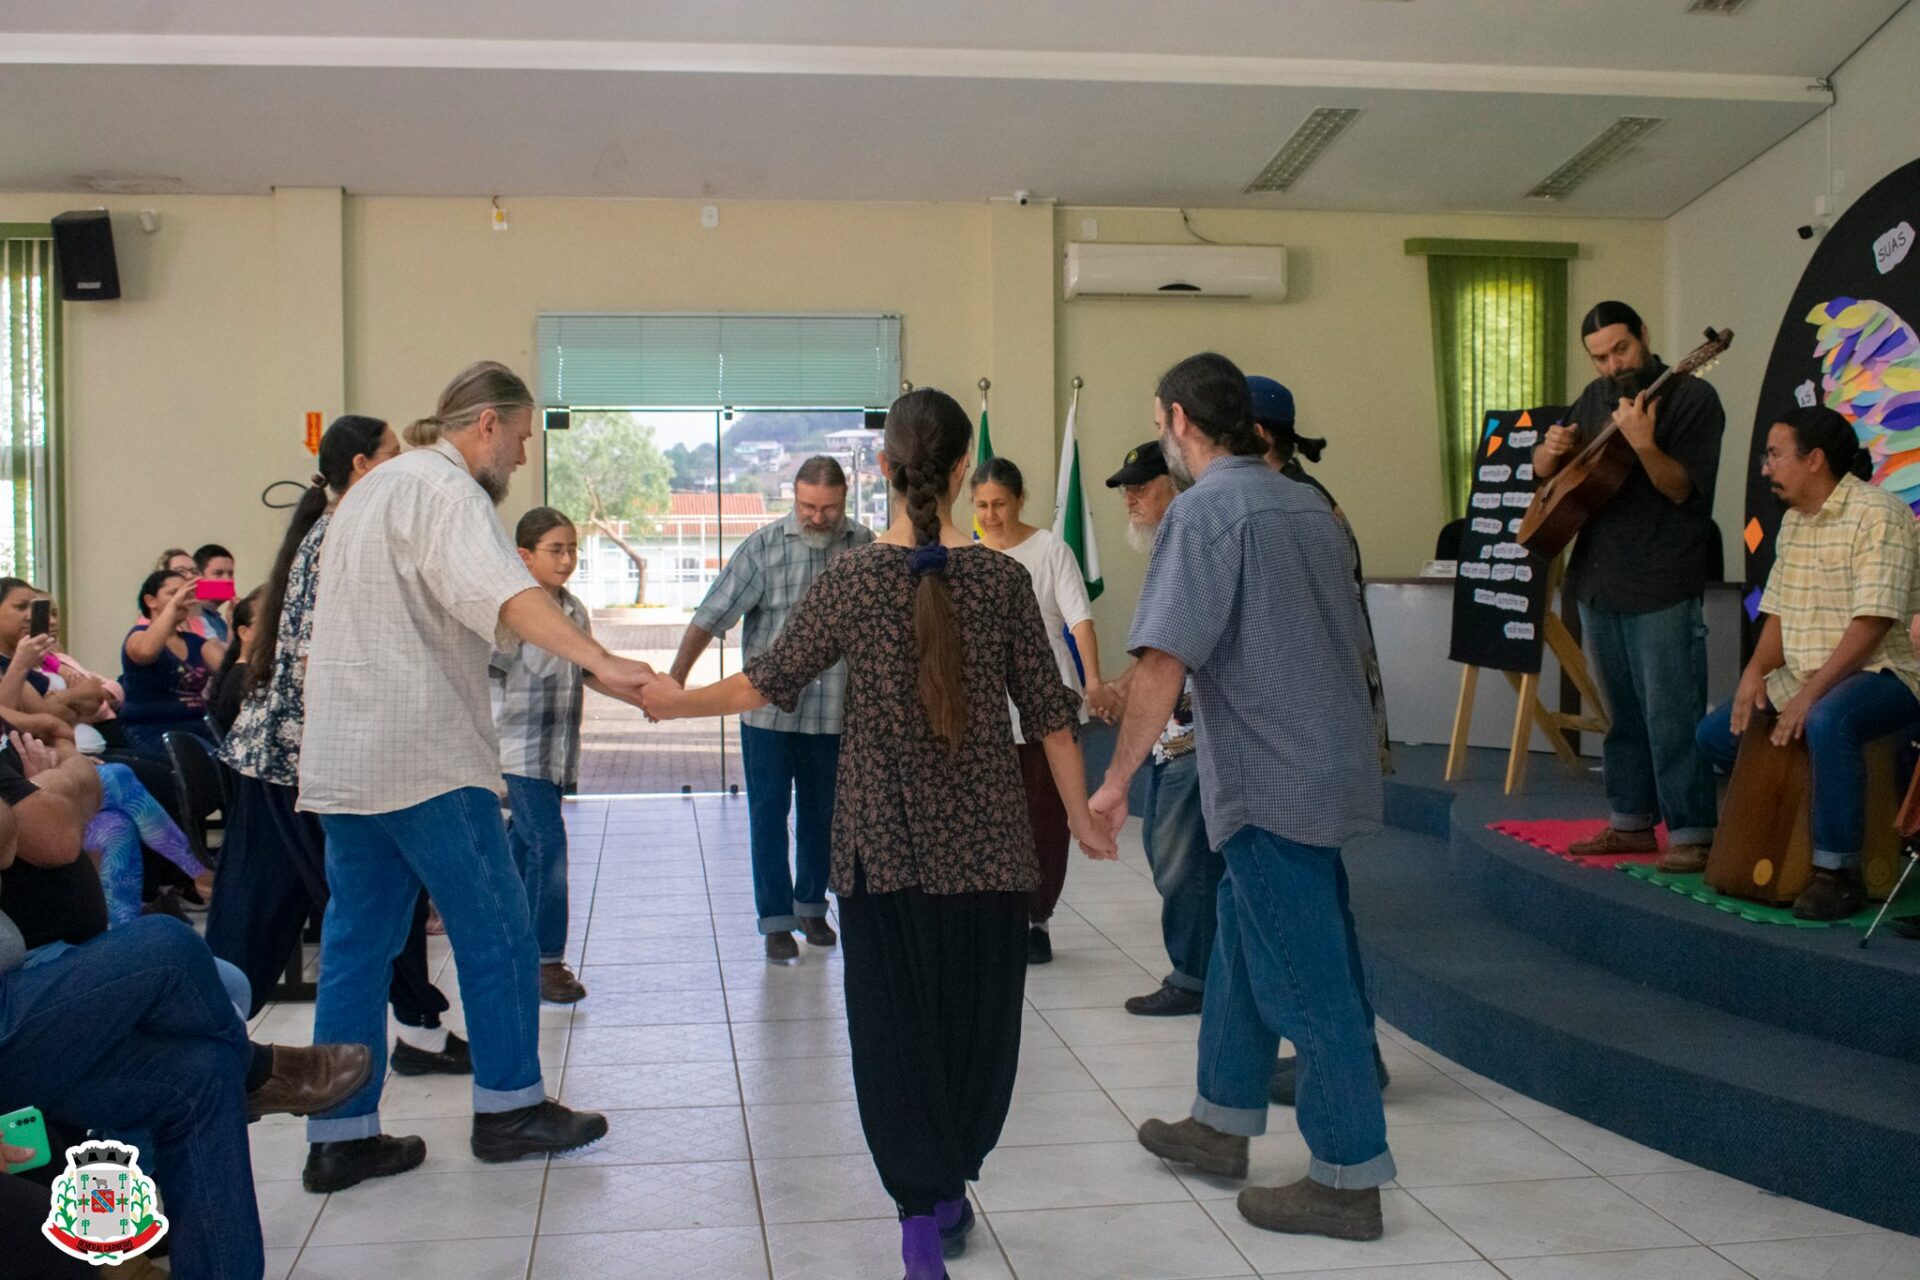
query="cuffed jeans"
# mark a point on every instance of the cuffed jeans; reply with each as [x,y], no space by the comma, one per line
[133,1031]
[1186,869]
[456,845]
[537,836]
[779,764]
[1653,673]
[1865,706]
[1285,961]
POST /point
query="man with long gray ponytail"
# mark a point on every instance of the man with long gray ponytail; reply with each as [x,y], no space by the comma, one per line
[419,584]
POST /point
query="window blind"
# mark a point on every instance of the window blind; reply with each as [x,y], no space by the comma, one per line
[29,409]
[613,360]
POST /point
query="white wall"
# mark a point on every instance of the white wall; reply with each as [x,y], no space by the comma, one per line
[1733,260]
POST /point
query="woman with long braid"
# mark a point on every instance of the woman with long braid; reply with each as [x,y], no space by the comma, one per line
[933,855]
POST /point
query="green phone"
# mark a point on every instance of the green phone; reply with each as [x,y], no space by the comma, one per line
[25,1128]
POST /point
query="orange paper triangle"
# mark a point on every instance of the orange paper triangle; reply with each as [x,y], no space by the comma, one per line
[1755,535]
[1493,445]
[1526,420]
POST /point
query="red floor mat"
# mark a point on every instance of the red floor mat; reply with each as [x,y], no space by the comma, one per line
[1556,836]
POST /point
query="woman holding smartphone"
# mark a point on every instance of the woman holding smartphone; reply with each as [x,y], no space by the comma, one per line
[165,667]
[933,855]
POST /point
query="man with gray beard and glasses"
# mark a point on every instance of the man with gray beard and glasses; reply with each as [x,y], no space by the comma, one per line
[1186,867]
[784,751]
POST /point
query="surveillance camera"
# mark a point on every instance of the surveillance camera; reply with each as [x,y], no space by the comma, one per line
[1811,230]
[1023,198]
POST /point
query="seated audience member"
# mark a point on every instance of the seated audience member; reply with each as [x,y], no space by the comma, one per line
[156,1048]
[229,685]
[74,675]
[1835,663]
[215,562]
[165,667]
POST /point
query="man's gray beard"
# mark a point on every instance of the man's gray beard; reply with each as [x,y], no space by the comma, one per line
[1140,536]
[819,539]
[496,483]
[1176,462]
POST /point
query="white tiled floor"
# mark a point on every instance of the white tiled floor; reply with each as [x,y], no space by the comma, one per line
[736,1148]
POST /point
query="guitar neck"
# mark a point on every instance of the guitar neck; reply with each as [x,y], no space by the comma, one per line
[1612,428]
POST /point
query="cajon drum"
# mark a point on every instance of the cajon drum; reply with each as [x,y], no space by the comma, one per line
[1763,849]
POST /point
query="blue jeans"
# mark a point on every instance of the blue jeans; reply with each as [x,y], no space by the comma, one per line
[133,1031]
[778,764]
[537,835]
[1653,673]
[1865,706]
[1186,869]
[1285,962]
[456,845]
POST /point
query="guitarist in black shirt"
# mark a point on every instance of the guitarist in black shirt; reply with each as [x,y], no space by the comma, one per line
[1639,571]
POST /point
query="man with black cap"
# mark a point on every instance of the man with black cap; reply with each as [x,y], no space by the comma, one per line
[1186,867]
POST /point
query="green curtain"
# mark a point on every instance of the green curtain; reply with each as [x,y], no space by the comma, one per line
[29,383]
[1499,342]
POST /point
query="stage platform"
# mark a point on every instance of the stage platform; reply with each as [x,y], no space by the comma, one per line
[1788,1058]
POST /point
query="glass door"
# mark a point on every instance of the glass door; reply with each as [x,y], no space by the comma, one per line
[662,498]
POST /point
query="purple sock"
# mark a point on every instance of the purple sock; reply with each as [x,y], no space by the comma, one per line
[920,1248]
[949,1212]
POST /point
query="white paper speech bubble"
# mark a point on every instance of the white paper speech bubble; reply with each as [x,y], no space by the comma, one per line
[1891,249]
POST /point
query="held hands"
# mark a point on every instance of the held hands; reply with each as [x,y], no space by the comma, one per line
[1107,700]
[624,675]
[662,698]
[1748,700]
[1635,418]
[1094,839]
[1108,806]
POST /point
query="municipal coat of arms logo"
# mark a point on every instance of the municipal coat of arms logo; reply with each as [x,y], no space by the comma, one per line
[103,1208]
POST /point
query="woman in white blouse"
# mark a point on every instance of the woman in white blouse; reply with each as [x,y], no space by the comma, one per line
[999,493]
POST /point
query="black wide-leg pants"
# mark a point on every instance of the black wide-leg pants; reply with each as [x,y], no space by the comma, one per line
[934,991]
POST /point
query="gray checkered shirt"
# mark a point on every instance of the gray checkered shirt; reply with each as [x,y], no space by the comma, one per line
[1251,586]
[762,582]
[537,706]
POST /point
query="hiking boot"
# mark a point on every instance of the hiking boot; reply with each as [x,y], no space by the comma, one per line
[818,932]
[1190,1142]
[335,1166]
[454,1060]
[1306,1208]
[1168,1002]
[558,985]
[1830,895]
[545,1128]
[1614,841]
[1281,1087]
[781,946]
[309,1078]
[1684,859]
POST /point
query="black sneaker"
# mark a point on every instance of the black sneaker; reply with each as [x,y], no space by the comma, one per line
[1830,895]
[1039,946]
[545,1128]
[454,1060]
[335,1166]
[1168,1002]
[1281,1087]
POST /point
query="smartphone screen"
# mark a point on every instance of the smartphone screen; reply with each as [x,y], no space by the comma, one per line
[213,588]
[40,618]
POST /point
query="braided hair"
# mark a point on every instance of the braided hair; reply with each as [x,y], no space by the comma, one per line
[927,434]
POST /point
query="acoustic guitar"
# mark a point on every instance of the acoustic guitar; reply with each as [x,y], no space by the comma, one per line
[1586,481]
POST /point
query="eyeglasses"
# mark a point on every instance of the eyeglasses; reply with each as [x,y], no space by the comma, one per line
[1770,456]
[558,549]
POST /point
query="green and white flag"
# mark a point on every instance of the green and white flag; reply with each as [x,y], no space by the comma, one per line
[1072,513]
[983,450]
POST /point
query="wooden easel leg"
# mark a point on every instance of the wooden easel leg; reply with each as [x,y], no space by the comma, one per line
[1527,688]
[1462,722]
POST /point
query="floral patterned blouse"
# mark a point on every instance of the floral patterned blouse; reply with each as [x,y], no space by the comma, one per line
[264,742]
[906,812]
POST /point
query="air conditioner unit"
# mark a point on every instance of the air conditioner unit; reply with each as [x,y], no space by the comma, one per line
[1254,272]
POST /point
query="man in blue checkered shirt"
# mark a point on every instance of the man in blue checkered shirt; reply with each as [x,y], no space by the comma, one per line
[1250,588]
[766,577]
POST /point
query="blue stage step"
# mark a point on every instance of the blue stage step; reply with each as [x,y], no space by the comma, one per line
[1597,995]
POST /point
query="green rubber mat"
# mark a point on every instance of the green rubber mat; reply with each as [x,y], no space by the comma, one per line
[1694,886]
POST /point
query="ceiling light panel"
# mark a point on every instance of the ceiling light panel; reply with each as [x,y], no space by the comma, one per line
[1725,8]
[1315,135]
[1614,141]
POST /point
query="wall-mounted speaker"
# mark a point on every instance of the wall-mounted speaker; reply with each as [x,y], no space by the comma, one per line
[83,254]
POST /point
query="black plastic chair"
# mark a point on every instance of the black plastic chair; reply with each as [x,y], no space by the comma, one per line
[203,793]
[213,727]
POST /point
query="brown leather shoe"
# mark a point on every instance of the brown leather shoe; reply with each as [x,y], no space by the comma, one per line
[310,1079]
[1684,859]
[1306,1208]
[558,985]
[782,947]
[1613,841]
[1189,1142]
[818,932]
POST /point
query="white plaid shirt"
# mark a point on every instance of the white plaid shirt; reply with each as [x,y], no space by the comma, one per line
[537,705]
[768,573]
[413,575]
